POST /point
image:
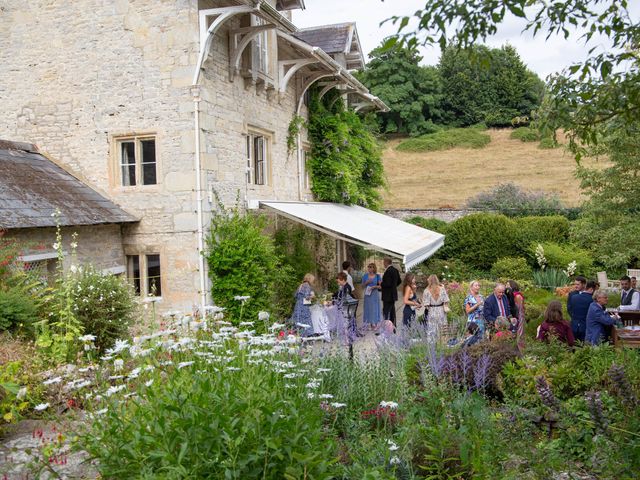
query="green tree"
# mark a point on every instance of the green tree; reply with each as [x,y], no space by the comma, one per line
[487,85]
[583,97]
[411,91]
[610,223]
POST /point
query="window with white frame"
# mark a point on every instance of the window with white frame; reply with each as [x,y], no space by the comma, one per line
[260,48]
[257,153]
[137,161]
[145,275]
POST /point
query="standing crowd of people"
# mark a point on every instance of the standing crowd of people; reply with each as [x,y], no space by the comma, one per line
[501,314]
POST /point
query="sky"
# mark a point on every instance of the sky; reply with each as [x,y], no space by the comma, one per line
[542,56]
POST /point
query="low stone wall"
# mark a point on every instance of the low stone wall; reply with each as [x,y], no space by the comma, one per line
[447,215]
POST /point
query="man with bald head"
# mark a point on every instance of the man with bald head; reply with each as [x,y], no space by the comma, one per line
[496,305]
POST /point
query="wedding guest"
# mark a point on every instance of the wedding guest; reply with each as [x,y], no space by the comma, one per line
[473,306]
[301,311]
[389,290]
[579,284]
[598,319]
[503,328]
[472,335]
[555,326]
[496,305]
[371,283]
[634,283]
[436,300]
[409,299]
[346,268]
[578,304]
[519,318]
[629,297]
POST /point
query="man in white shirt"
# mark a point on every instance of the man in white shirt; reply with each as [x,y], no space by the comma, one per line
[346,268]
[629,298]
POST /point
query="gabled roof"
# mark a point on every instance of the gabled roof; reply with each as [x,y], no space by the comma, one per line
[335,39]
[32,188]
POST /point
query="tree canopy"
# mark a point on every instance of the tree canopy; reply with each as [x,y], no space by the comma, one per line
[412,92]
[605,86]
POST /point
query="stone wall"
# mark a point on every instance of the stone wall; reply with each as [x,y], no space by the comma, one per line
[447,215]
[99,245]
[75,75]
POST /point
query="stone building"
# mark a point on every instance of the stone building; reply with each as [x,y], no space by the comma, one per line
[163,106]
[37,196]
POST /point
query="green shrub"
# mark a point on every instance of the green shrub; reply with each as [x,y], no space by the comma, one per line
[525,134]
[202,421]
[446,270]
[446,139]
[500,117]
[104,304]
[559,256]
[17,311]
[512,200]
[433,224]
[538,229]
[514,268]
[548,143]
[243,262]
[480,239]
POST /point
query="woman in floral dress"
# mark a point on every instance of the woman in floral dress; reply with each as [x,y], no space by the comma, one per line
[371,284]
[301,317]
[435,299]
[473,306]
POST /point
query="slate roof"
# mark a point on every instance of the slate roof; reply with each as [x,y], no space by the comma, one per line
[330,38]
[32,187]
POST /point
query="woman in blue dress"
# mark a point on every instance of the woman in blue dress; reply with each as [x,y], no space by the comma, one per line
[473,305]
[301,317]
[371,284]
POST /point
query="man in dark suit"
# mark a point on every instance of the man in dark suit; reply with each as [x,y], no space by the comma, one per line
[389,290]
[496,305]
[579,284]
[578,307]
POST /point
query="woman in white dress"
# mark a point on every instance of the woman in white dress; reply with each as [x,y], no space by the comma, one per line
[436,300]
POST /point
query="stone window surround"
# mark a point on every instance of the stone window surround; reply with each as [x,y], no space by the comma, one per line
[269,136]
[114,160]
[305,176]
[142,252]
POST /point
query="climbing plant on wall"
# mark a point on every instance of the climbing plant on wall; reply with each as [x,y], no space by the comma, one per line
[346,159]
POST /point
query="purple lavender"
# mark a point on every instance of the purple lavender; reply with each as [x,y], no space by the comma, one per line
[546,395]
[436,361]
[466,362]
[481,371]
[594,401]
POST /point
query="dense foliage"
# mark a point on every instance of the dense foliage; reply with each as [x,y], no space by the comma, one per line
[512,200]
[411,91]
[487,85]
[18,311]
[446,139]
[514,268]
[346,160]
[243,262]
[434,224]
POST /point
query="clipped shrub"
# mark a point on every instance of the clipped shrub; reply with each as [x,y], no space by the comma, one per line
[560,255]
[525,134]
[446,139]
[515,268]
[17,311]
[480,239]
[512,200]
[433,224]
[104,304]
[552,228]
[243,262]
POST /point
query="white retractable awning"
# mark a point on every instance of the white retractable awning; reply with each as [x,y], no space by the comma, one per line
[364,227]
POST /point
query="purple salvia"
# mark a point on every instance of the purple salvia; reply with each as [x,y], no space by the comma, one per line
[617,375]
[597,412]
[546,395]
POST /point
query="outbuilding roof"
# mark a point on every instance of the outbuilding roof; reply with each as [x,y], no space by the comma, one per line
[33,188]
[339,38]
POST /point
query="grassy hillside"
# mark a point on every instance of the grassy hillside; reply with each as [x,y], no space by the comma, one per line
[447,178]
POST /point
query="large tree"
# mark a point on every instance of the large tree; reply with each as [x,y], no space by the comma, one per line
[487,85]
[411,91]
[606,86]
